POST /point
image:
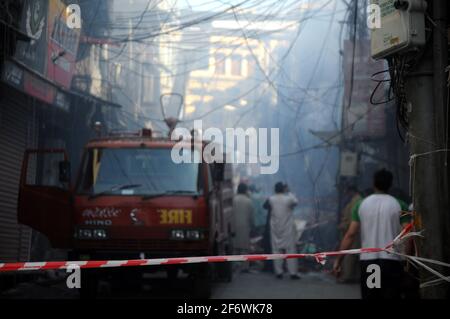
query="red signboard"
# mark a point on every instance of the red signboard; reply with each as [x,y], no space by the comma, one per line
[50,55]
[62,45]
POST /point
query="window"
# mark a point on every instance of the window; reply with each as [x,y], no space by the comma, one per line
[43,169]
[220,64]
[236,66]
[137,171]
[251,67]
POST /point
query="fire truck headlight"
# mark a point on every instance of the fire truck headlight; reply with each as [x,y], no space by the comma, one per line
[99,233]
[85,233]
[177,234]
[193,235]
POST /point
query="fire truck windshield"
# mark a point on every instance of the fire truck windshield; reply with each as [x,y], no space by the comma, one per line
[138,172]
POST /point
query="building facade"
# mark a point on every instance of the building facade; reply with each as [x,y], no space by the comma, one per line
[41,103]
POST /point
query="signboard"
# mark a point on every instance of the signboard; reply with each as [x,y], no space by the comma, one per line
[26,81]
[34,25]
[51,53]
[62,45]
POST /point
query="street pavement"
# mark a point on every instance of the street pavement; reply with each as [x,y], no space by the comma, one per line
[312,285]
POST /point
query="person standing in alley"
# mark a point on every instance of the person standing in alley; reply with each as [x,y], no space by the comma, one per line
[350,264]
[243,212]
[260,214]
[282,229]
[267,242]
[378,219]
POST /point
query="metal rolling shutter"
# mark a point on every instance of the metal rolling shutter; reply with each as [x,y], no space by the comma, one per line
[18,131]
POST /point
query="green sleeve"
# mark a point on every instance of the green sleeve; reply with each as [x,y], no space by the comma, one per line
[403,205]
[405,218]
[355,211]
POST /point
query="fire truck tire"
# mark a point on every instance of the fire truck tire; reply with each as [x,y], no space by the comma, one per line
[202,282]
[126,279]
[89,284]
[8,281]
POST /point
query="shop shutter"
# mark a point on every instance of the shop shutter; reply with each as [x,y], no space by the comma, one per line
[18,131]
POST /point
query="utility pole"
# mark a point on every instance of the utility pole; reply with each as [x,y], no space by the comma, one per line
[426,92]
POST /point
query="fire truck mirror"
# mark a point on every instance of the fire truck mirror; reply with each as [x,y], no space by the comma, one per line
[64,172]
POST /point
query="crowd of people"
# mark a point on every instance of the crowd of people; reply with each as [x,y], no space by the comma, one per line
[370,219]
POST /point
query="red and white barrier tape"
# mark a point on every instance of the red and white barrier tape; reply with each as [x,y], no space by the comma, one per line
[319,257]
[47,265]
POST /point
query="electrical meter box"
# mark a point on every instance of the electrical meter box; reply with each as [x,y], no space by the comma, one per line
[349,164]
[401,26]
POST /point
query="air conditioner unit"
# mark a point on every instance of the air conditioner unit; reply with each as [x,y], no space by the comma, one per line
[401,28]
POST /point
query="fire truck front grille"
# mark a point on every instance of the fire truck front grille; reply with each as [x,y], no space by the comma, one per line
[142,245]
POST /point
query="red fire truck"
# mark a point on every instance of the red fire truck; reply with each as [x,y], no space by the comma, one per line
[130,200]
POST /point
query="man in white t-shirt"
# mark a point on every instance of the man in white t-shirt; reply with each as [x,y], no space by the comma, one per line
[378,219]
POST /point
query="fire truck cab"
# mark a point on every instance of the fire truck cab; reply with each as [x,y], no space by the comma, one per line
[130,200]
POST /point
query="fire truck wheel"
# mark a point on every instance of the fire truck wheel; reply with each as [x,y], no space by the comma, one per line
[126,279]
[89,284]
[202,282]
